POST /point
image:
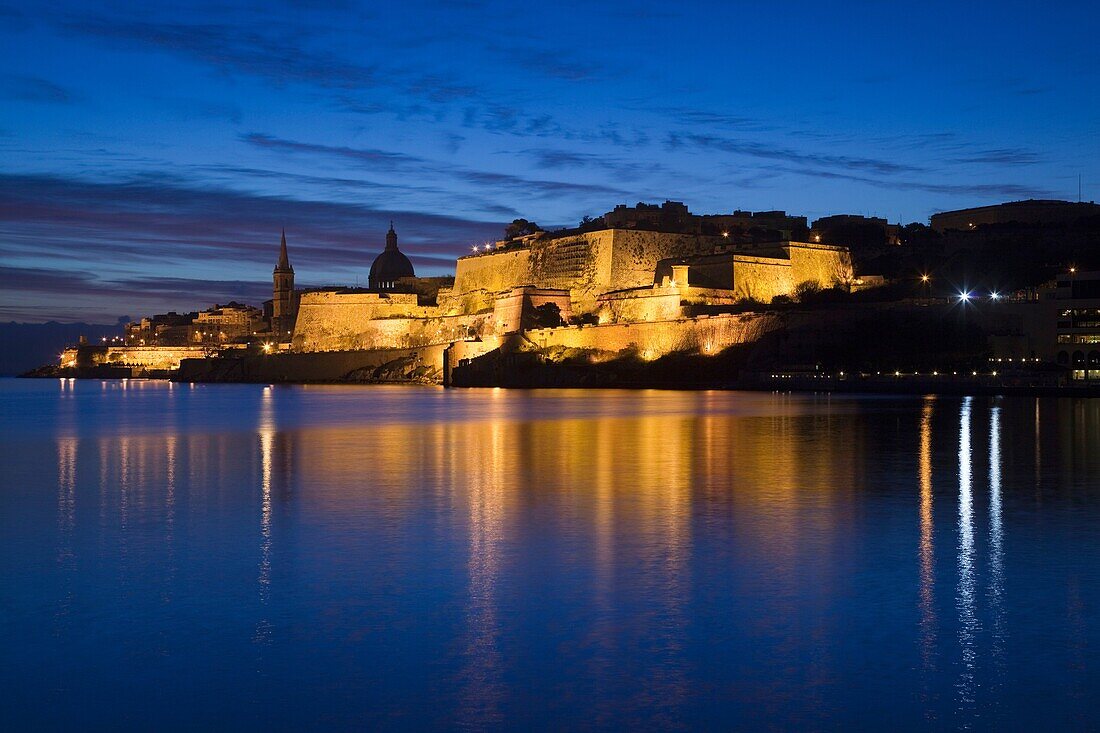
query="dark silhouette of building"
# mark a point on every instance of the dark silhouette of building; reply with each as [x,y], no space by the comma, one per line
[390,266]
[284,303]
[1032,211]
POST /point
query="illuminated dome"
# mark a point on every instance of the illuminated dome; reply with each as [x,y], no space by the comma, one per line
[390,266]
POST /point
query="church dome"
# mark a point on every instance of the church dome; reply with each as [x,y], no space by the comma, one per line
[390,266]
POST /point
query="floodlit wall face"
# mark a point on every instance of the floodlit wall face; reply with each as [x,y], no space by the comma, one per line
[141,357]
[761,278]
[587,265]
[653,304]
[508,311]
[636,254]
[652,339]
[331,320]
[825,266]
[580,264]
[478,278]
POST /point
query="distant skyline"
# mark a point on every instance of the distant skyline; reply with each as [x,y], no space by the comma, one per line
[153,152]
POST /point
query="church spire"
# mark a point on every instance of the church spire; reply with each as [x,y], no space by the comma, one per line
[391,237]
[284,260]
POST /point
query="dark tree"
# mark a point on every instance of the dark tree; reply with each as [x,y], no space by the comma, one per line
[547,315]
[520,227]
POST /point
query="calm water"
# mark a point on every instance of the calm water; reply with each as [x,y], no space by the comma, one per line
[243,557]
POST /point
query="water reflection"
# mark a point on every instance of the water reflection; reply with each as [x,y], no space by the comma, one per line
[996,545]
[964,602]
[926,555]
[473,559]
[482,683]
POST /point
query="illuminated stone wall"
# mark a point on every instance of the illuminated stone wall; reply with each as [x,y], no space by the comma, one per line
[706,334]
[509,310]
[636,254]
[386,333]
[587,265]
[479,278]
[142,358]
[818,263]
[337,320]
[761,278]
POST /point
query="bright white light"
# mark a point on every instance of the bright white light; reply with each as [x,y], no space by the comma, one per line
[964,296]
[995,295]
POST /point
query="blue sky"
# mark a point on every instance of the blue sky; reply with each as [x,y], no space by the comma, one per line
[151,152]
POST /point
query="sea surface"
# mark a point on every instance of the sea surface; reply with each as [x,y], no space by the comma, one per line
[244,557]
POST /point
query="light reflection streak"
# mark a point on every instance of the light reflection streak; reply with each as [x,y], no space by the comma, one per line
[927,565]
[170,509]
[968,622]
[483,690]
[66,520]
[267,440]
[996,540]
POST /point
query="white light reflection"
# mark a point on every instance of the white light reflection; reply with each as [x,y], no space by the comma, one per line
[996,540]
[266,433]
[964,602]
[267,440]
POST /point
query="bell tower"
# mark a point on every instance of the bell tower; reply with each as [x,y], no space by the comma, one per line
[282,302]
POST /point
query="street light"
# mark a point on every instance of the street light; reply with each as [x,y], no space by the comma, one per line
[995,295]
[964,297]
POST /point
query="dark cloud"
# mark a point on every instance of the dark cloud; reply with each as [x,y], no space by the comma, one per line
[1007,190]
[33,89]
[269,50]
[700,117]
[373,159]
[1000,156]
[769,152]
[622,169]
[161,221]
[554,63]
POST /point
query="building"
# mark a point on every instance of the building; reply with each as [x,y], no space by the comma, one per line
[674,216]
[284,301]
[1032,211]
[391,266]
[225,323]
[855,231]
[163,329]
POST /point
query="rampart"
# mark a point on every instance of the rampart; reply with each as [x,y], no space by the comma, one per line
[141,358]
[587,264]
[705,334]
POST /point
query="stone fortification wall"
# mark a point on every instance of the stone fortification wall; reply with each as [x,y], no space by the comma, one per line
[761,278]
[478,278]
[142,358]
[388,333]
[818,263]
[423,364]
[579,263]
[509,310]
[706,334]
[586,264]
[642,304]
[636,254]
[330,320]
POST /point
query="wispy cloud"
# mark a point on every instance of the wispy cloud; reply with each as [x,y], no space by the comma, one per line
[374,159]
[33,89]
[160,221]
[765,151]
[961,189]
